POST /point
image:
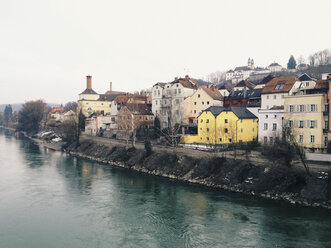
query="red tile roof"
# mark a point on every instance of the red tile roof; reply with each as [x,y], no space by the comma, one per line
[284,84]
[213,92]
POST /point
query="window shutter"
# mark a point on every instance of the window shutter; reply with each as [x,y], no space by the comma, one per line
[295,124]
[316,123]
[308,107]
[308,123]
[298,108]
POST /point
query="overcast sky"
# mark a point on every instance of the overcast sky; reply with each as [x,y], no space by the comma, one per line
[48,47]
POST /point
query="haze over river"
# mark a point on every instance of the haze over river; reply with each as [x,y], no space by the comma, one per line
[51,199]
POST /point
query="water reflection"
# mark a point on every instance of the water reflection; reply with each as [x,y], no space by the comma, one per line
[86,204]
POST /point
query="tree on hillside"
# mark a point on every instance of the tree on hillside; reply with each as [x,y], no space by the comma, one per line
[70,106]
[81,120]
[292,64]
[70,131]
[8,113]
[31,115]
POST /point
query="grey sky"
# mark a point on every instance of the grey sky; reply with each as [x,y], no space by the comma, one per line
[48,47]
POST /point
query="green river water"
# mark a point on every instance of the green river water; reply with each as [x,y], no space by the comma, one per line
[51,199]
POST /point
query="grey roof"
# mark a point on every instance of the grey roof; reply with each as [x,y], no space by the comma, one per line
[243,68]
[88,91]
[305,77]
[240,112]
[108,97]
[243,94]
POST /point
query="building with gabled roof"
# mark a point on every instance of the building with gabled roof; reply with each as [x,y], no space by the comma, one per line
[131,117]
[204,97]
[168,100]
[223,126]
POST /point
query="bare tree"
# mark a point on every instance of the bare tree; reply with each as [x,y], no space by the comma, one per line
[312,60]
[301,60]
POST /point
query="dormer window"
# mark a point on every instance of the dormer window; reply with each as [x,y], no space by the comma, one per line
[279,86]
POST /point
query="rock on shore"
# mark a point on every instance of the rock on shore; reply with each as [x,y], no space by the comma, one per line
[271,182]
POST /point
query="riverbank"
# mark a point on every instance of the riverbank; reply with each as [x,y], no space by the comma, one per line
[237,175]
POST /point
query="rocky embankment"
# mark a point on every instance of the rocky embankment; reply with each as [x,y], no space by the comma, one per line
[271,182]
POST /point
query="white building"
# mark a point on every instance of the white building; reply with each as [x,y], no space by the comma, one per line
[275,67]
[271,113]
[270,124]
[168,100]
[307,82]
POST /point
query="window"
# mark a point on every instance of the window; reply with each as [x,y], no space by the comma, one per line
[195,111]
[201,121]
[120,117]
[241,121]
[271,140]
[266,116]
[300,138]
[325,141]
[177,112]
[326,124]
[207,129]
[312,139]
[225,120]
[195,103]
[207,138]
[155,102]
[275,96]
[265,138]
[290,123]
[265,126]
[177,101]
[242,130]
[203,103]
[220,139]
[207,121]
[207,102]
[267,97]
[128,117]
[283,96]
[198,95]
[302,108]
[291,108]
[301,124]
[312,124]
[274,126]
[152,118]
[158,92]
[279,86]
[313,107]
[307,83]
[253,129]
[146,118]
[140,118]
[177,85]
[175,91]
[179,91]
[230,140]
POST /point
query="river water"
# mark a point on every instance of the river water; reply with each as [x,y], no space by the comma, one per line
[50,199]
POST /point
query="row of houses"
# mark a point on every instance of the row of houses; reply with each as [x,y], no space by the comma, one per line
[219,115]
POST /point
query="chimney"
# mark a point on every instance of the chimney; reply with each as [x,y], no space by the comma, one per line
[89,82]
[111,86]
[187,77]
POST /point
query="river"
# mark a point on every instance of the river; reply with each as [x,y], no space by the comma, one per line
[51,199]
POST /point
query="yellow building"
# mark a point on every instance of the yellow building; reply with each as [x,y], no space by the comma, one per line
[91,102]
[304,114]
[224,125]
[203,98]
